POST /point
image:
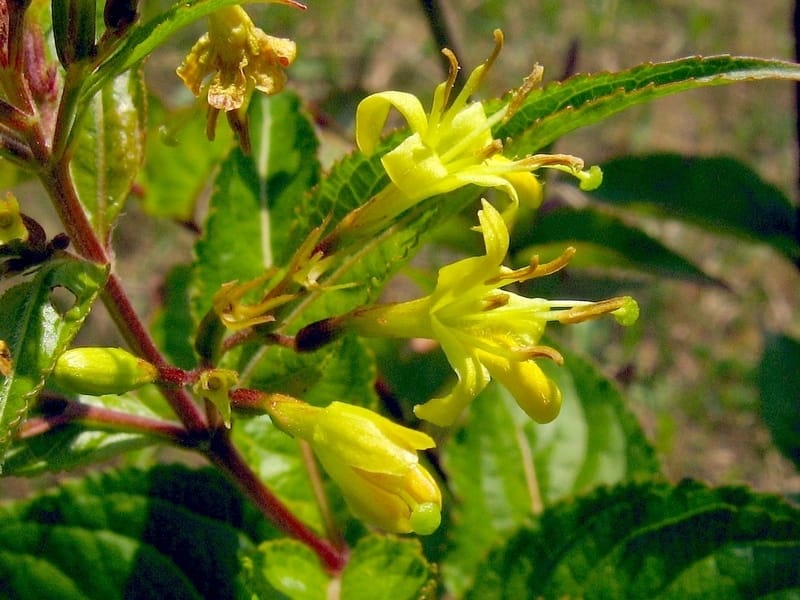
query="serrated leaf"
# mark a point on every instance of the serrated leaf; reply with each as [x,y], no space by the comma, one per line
[36,332]
[167,533]
[503,467]
[605,243]
[651,540]
[253,196]
[561,107]
[718,193]
[74,445]
[285,570]
[779,384]
[110,149]
[179,160]
[386,568]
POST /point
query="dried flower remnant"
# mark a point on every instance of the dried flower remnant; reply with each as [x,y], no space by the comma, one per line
[240,59]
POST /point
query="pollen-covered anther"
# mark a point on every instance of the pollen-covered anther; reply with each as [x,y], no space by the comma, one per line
[578,314]
[495,301]
[535,270]
[542,352]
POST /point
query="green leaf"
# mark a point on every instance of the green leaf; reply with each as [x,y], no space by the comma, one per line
[651,540]
[285,569]
[172,325]
[253,197]
[604,242]
[37,331]
[74,445]
[179,160]
[719,193]
[561,107]
[387,568]
[779,383]
[166,533]
[110,149]
[503,468]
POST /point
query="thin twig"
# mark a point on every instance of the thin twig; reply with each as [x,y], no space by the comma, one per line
[441,35]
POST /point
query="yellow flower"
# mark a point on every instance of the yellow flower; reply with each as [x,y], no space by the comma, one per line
[372,460]
[241,58]
[12,225]
[484,330]
[450,147]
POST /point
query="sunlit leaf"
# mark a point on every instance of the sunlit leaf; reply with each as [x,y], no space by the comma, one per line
[37,326]
[561,107]
[110,149]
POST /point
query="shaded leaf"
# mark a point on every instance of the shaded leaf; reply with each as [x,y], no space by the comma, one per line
[605,243]
[718,193]
[37,331]
[503,468]
[779,384]
[166,533]
[561,107]
[386,568]
[110,149]
[651,540]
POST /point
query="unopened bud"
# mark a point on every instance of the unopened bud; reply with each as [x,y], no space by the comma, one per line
[74,29]
[98,371]
[118,15]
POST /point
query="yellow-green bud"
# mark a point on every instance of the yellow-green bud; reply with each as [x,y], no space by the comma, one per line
[98,371]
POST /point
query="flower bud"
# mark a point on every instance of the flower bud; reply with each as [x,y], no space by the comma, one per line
[97,371]
[74,29]
[12,226]
[118,15]
[372,460]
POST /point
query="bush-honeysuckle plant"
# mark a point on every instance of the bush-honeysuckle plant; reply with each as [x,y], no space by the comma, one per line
[344,456]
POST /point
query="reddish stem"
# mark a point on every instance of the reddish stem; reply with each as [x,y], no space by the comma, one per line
[228,459]
[105,418]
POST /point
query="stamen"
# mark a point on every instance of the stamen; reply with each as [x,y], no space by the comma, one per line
[496,147]
[451,76]
[495,301]
[579,314]
[522,92]
[544,352]
[535,270]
